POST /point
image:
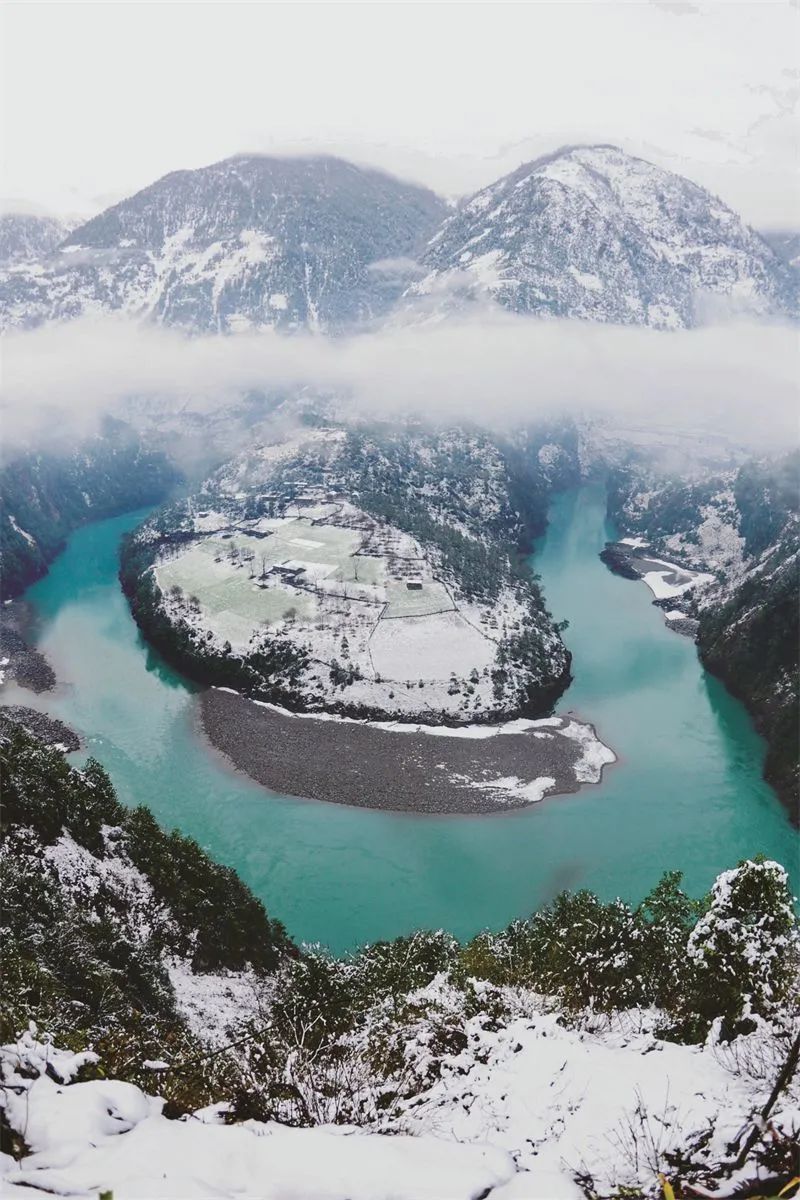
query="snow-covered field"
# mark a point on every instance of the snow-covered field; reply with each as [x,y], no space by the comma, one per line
[347,591]
[440,645]
[672,580]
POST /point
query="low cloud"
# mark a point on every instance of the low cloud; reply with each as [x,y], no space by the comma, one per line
[736,379]
[400,268]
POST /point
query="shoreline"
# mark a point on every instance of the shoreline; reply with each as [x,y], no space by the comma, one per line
[667,582]
[48,730]
[20,660]
[393,767]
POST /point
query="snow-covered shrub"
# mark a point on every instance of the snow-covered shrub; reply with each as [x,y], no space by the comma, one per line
[407,1042]
[578,948]
[667,916]
[345,1040]
[396,968]
[743,951]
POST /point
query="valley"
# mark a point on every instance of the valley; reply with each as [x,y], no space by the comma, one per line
[45,496]
[399,664]
[340,874]
[736,534]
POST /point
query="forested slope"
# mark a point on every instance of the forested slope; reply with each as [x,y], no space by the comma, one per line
[45,496]
[742,527]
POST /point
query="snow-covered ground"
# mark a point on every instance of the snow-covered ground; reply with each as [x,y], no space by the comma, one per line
[106,1135]
[661,587]
[524,1111]
[609,1098]
[213,1003]
[363,602]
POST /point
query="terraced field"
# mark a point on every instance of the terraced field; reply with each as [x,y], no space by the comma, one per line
[353,592]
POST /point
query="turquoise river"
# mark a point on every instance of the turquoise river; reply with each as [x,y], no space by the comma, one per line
[687,791]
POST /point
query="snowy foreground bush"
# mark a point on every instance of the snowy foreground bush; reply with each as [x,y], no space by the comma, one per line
[163,1037]
[530,1108]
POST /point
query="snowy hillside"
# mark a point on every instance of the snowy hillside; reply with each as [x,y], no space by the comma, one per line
[737,534]
[260,243]
[527,1111]
[371,573]
[119,928]
[786,245]
[25,238]
[44,497]
[251,242]
[594,233]
[160,1036]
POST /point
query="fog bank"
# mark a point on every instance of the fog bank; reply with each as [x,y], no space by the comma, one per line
[737,379]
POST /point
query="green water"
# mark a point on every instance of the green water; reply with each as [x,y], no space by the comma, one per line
[687,792]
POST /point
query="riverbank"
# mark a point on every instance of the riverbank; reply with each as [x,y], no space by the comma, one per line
[19,660]
[46,729]
[403,768]
[666,580]
[687,795]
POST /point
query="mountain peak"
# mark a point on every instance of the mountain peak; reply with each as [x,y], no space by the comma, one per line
[593,232]
[312,241]
[253,241]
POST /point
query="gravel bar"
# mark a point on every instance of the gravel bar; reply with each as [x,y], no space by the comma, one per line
[46,729]
[360,764]
[20,660]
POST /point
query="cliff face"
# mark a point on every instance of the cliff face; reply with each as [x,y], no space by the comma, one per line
[750,636]
[44,497]
[742,526]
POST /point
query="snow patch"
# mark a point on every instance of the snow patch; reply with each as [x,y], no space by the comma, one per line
[657,582]
[592,283]
[514,787]
[106,1135]
[22,532]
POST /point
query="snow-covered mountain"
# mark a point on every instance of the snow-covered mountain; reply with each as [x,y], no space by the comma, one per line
[249,242]
[25,237]
[785,243]
[292,243]
[594,233]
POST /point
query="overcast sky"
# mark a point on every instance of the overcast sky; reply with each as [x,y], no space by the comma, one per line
[101,99]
